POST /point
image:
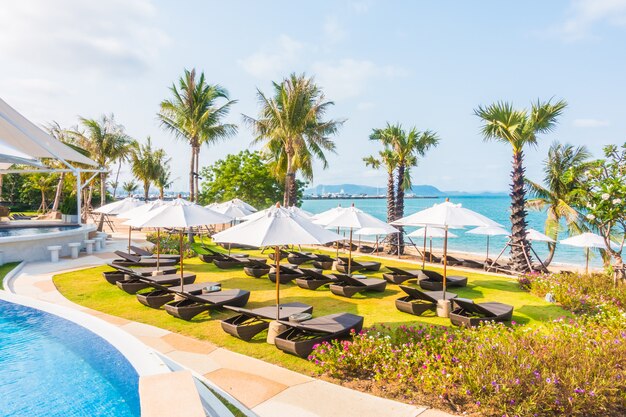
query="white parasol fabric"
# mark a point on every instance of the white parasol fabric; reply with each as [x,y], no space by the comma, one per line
[489,231]
[327,216]
[230,209]
[141,210]
[586,240]
[532,234]
[240,203]
[446,214]
[430,232]
[178,214]
[293,209]
[120,206]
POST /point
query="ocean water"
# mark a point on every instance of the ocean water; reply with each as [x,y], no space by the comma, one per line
[494,207]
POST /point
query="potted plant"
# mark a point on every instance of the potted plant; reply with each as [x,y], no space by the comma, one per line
[69,210]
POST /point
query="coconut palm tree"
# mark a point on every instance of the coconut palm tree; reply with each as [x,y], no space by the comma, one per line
[194,115]
[563,179]
[518,128]
[164,180]
[41,183]
[106,142]
[56,131]
[387,160]
[130,187]
[292,125]
[146,164]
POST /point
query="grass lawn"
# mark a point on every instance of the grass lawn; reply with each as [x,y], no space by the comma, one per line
[4,270]
[88,288]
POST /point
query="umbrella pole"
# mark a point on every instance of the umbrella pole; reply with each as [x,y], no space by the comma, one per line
[431,249]
[277,258]
[158,248]
[487,246]
[376,245]
[182,284]
[350,255]
[337,244]
[445,260]
[424,252]
[229,249]
[587,262]
[130,229]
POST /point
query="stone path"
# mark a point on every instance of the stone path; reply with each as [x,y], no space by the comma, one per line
[265,389]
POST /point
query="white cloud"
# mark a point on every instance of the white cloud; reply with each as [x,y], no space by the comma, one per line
[585,14]
[333,31]
[348,77]
[590,123]
[113,37]
[270,63]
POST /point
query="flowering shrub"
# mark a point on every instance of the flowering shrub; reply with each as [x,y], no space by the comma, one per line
[575,367]
[171,244]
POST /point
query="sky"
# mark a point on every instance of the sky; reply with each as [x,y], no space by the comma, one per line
[426,64]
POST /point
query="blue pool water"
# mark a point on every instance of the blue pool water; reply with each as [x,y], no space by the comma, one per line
[494,207]
[50,366]
[27,231]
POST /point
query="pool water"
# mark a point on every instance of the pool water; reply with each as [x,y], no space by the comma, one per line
[50,366]
[28,231]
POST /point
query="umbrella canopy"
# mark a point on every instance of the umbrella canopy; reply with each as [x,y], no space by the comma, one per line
[327,216]
[240,203]
[431,232]
[277,227]
[586,240]
[179,214]
[532,234]
[446,214]
[294,209]
[230,209]
[141,210]
[489,231]
[120,206]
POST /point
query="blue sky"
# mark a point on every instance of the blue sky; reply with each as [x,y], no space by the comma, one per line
[424,64]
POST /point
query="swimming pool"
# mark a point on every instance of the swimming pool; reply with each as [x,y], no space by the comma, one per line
[50,366]
[28,231]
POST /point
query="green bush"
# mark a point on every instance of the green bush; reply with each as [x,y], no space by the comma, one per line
[170,244]
[69,206]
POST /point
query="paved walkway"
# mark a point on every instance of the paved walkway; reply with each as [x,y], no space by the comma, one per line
[266,389]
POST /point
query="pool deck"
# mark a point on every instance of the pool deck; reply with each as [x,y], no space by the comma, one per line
[267,390]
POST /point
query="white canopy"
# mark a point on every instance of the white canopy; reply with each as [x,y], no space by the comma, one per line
[19,133]
[7,160]
[354,218]
[431,232]
[445,214]
[294,209]
[585,240]
[489,231]
[178,214]
[120,206]
[240,203]
[325,217]
[532,234]
[141,210]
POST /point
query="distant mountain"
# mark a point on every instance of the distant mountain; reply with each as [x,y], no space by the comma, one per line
[420,190]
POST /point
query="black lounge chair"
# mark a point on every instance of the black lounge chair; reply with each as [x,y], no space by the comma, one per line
[298,258]
[470,263]
[431,257]
[238,246]
[347,286]
[113,276]
[131,260]
[369,249]
[283,254]
[287,273]
[256,268]
[467,313]
[433,281]
[355,266]
[191,305]
[300,338]
[248,323]
[162,295]
[417,302]
[399,275]
[312,280]
[147,254]
[230,262]
[323,262]
[137,282]
[453,260]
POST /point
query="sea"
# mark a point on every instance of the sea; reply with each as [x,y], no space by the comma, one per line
[495,207]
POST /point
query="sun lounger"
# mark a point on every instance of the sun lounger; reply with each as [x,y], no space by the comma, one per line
[467,313]
[300,338]
[323,261]
[342,266]
[230,262]
[470,263]
[256,268]
[298,258]
[131,260]
[369,249]
[433,281]
[312,280]
[347,286]
[249,323]
[417,302]
[283,254]
[399,275]
[147,254]
[162,295]
[453,260]
[191,305]
[287,273]
[113,276]
[238,246]
[137,282]
[431,257]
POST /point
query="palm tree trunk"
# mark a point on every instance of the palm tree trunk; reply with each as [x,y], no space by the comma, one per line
[57,196]
[520,253]
[552,249]
[195,177]
[289,178]
[161,193]
[191,166]
[391,207]
[293,191]
[103,188]
[400,205]
[146,190]
[43,201]
[117,177]
[1,184]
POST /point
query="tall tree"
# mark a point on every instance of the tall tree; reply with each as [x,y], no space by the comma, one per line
[518,128]
[194,115]
[164,180]
[292,125]
[106,142]
[56,131]
[146,164]
[563,178]
[129,187]
[386,159]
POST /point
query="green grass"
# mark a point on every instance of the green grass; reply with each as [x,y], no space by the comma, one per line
[88,288]
[4,270]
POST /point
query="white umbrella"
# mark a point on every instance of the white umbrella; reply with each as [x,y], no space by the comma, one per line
[325,217]
[489,231]
[431,233]
[120,206]
[586,240]
[294,209]
[369,231]
[230,209]
[240,203]
[446,215]
[532,234]
[352,218]
[277,227]
[141,211]
[178,214]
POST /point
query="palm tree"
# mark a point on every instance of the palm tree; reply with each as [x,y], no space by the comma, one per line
[130,187]
[518,128]
[105,141]
[407,148]
[56,131]
[387,160]
[292,125]
[563,171]
[41,183]
[146,164]
[164,180]
[193,114]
